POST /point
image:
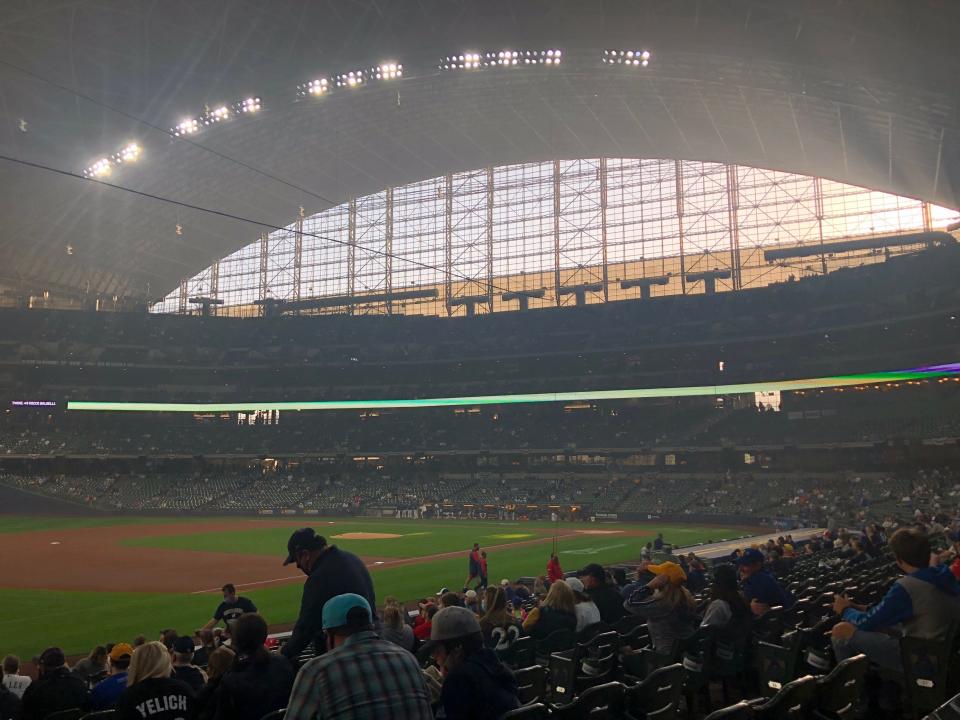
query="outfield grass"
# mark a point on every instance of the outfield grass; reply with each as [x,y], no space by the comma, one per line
[34,619]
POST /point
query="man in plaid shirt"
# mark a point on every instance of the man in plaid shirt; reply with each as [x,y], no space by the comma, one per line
[362,676]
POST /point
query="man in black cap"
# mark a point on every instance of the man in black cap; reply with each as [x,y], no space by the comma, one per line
[56,689]
[606,597]
[330,572]
[183,667]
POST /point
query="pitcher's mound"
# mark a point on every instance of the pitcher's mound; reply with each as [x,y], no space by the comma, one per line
[365,536]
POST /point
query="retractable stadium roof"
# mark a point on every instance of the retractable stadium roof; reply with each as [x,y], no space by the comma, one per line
[860,91]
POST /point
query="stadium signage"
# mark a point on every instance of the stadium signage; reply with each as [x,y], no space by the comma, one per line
[921,373]
[33,403]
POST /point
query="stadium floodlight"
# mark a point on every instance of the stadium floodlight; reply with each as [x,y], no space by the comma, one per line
[217,114]
[386,71]
[351,79]
[104,166]
[629,58]
[248,105]
[500,58]
[186,127]
[131,153]
[314,87]
[101,168]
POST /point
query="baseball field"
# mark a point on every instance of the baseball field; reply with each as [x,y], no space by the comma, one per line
[78,582]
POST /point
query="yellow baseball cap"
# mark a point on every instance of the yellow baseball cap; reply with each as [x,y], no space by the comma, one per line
[673,571]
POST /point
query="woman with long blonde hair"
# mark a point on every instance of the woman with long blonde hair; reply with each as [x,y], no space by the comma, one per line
[556,612]
[150,689]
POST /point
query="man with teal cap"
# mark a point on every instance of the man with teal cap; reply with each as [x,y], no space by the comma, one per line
[360,675]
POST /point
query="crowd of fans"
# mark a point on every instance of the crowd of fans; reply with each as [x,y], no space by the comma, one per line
[455,654]
[790,499]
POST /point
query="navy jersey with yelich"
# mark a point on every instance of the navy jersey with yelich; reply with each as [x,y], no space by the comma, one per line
[157,699]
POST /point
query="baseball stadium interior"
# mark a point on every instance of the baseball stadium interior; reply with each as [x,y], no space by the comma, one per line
[650,306]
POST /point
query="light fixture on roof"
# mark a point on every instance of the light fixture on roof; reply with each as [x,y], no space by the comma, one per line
[248,105]
[131,153]
[351,79]
[101,168]
[212,116]
[104,166]
[630,58]
[314,87]
[501,58]
[386,71]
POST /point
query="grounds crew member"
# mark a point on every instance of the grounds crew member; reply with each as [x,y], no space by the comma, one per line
[330,572]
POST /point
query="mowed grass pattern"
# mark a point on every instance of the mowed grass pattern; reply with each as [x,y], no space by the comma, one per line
[76,621]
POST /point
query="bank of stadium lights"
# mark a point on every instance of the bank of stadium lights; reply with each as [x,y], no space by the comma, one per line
[104,166]
[212,116]
[315,87]
[351,79]
[501,58]
[386,71]
[632,58]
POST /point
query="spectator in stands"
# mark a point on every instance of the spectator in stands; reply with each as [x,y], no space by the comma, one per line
[92,665]
[658,542]
[11,707]
[696,574]
[473,566]
[554,571]
[183,667]
[541,585]
[605,595]
[925,602]
[139,640]
[521,593]
[667,607]
[471,602]
[151,692]
[759,587]
[646,553]
[556,612]
[422,629]
[56,688]
[207,645]
[496,621]
[449,599]
[168,637]
[218,663]
[395,630]
[12,679]
[585,609]
[476,685]
[619,576]
[859,554]
[232,607]
[330,572]
[727,608]
[361,675]
[107,692]
[259,681]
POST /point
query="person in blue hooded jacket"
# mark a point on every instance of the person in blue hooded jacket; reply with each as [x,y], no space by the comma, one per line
[923,603]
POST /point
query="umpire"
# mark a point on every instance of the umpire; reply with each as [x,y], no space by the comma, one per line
[330,572]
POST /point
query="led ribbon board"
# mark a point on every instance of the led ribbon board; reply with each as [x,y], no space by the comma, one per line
[922,373]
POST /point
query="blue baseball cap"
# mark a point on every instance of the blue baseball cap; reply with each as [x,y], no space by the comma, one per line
[751,556]
[336,608]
